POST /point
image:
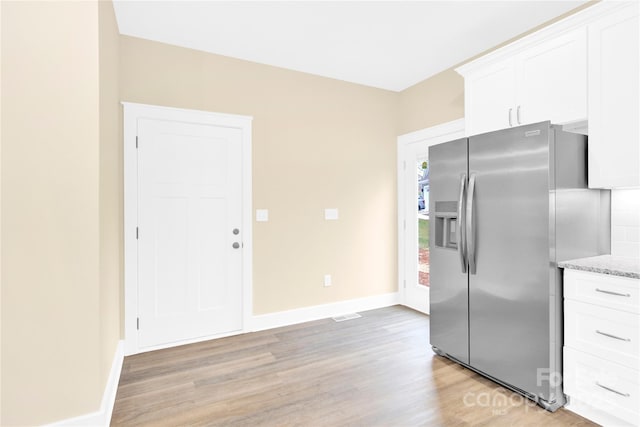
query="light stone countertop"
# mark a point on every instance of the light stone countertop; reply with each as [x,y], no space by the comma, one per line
[606,264]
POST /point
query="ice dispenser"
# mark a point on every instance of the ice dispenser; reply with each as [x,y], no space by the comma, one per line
[446,218]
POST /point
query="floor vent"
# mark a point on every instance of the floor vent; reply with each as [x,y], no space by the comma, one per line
[346,317]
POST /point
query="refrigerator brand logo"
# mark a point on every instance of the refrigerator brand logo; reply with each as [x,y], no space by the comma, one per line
[532,133]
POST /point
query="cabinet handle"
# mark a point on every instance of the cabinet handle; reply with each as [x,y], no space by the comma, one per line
[518,114]
[612,336]
[510,111]
[612,390]
[612,293]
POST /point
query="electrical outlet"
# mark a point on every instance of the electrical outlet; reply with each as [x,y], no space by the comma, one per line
[331,214]
[327,280]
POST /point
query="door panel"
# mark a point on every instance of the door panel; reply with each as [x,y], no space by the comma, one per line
[448,294]
[170,255]
[189,277]
[509,292]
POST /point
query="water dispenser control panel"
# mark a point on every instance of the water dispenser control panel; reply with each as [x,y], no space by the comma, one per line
[446,225]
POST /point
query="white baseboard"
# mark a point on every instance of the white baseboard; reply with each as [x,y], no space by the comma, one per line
[101,417]
[316,312]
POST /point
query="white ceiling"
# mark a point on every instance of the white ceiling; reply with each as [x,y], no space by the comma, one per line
[389,45]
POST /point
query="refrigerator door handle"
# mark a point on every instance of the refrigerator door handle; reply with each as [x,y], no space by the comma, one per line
[470,236]
[459,231]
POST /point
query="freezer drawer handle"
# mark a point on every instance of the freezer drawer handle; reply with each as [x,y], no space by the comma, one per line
[612,336]
[471,240]
[612,293]
[612,390]
[460,235]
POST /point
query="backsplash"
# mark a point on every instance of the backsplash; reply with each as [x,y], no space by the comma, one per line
[625,223]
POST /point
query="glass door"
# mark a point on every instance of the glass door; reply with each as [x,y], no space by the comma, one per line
[413,211]
[416,229]
[422,214]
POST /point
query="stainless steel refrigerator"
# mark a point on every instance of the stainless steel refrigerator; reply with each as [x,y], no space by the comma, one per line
[506,207]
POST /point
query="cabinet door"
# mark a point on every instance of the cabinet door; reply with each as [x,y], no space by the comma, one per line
[552,80]
[614,74]
[490,98]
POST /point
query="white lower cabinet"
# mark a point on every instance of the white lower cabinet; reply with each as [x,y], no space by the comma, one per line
[603,332]
[607,386]
[601,354]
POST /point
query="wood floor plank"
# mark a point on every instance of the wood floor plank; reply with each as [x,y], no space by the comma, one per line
[377,370]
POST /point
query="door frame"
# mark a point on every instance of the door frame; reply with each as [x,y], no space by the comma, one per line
[132,113]
[408,144]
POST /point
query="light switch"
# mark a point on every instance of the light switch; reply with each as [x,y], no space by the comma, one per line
[262,215]
[327,280]
[331,214]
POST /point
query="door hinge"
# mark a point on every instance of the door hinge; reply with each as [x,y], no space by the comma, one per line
[404,164]
[404,283]
[404,224]
[136,141]
[136,233]
[138,323]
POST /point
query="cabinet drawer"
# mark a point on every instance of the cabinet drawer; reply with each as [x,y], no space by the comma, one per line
[602,384]
[603,332]
[620,293]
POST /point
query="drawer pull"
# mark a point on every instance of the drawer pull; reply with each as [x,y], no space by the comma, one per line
[612,390]
[612,336]
[612,293]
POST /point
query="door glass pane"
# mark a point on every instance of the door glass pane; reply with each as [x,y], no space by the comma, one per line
[423,222]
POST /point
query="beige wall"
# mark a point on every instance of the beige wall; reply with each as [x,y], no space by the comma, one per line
[317,143]
[49,211]
[436,100]
[54,339]
[110,187]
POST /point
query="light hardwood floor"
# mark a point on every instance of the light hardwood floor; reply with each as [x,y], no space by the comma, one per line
[377,370]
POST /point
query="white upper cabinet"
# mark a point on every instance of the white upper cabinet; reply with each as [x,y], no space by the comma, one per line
[552,80]
[490,94]
[583,72]
[547,80]
[614,113]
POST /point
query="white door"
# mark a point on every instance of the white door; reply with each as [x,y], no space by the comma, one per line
[189,236]
[413,210]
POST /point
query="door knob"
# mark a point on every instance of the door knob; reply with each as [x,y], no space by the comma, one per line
[236,245]
[236,231]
